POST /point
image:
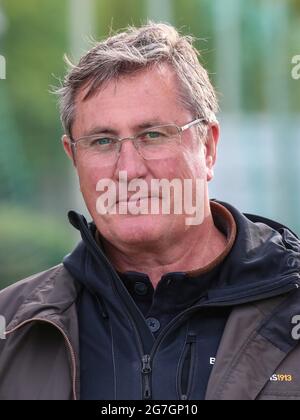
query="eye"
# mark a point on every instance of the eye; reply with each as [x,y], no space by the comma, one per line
[102,141]
[152,135]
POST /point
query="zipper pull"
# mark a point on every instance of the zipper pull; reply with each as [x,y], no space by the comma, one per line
[146,370]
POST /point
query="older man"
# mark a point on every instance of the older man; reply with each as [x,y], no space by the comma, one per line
[153,303]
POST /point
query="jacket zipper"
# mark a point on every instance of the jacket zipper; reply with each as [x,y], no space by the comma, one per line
[146,368]
[184,390]
[67,341]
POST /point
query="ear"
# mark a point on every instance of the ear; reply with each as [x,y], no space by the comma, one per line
[67,145]
[211,149]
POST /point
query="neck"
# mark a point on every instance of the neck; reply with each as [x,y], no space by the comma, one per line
[194,250]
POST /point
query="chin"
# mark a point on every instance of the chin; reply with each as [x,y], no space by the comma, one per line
[137,229]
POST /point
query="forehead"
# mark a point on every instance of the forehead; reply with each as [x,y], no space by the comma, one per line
[150,94]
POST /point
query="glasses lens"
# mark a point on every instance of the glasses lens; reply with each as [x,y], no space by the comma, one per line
[99,146]
[159,142]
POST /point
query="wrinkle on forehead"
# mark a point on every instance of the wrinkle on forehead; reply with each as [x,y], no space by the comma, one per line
[132,100]
[163,71]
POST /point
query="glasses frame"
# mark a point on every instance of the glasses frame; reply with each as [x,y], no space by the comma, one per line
[180,129]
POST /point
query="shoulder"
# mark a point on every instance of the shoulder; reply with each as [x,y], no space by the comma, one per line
[35,289]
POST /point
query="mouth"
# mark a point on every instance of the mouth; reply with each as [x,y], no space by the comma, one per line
[132,199]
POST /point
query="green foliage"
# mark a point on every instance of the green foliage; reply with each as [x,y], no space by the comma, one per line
[30,243]
[34,44]
[116,14]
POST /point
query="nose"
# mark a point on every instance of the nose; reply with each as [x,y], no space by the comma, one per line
[131,161]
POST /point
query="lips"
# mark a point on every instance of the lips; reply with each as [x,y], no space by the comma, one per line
[133,199]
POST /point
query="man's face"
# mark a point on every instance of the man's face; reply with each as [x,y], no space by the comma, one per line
[124,106]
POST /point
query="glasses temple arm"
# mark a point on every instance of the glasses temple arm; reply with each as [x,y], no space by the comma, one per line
[187,126]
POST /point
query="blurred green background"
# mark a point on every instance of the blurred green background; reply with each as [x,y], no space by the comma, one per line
[246,46]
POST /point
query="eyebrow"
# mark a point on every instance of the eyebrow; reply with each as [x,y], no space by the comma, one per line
[109,130]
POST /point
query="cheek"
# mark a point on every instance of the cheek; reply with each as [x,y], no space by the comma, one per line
[89,176]
[186,165]
[194,162]
[191,165]
[166,168]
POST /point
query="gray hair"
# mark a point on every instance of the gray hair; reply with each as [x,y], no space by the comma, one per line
[133,50]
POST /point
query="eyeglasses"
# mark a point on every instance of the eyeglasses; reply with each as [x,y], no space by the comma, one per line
[153,143]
